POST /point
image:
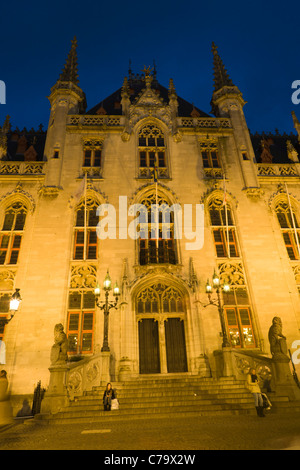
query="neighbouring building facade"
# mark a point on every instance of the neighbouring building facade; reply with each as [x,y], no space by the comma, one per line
[148,144]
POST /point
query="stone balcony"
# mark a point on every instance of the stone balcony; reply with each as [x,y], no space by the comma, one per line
[23,170]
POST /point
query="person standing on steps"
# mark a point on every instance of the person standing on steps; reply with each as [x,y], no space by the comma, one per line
[108,396]
[254,388]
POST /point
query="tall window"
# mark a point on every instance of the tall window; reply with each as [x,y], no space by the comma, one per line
[157,244]
[80,327]
[12,233]
[224,232]
[85,236]
[238,318]
[152,152]
[289,228]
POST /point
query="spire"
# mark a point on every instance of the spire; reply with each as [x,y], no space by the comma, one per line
[70,72]
[221,77]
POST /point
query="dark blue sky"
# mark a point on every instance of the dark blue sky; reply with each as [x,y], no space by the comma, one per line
[258,42]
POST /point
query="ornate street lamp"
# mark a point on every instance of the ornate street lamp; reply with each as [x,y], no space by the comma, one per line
[106,305]
[216,286]
[13,307]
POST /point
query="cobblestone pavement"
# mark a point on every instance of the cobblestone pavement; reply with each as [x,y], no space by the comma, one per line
[275,432]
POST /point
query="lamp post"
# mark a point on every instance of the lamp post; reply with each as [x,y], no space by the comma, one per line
[13,307]
[216,285]
[106,305]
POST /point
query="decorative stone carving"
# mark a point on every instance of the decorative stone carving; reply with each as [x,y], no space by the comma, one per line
[7,279]
[83,277]
[59,349]
[254,193]
[233,273]
[49,191]
[74,383]
[92,372]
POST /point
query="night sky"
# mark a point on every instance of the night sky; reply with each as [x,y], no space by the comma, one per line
[258,42]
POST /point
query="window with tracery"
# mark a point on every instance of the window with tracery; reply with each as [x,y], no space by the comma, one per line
[209,152]
[85,235]
[289,228]
[237,306]
[152,152]
[92,153]
[224,231]
[160,299]
[156,242]
[12,233]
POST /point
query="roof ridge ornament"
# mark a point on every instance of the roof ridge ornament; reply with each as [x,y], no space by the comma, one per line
[148,77]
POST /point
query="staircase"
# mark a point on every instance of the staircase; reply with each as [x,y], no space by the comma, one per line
[166,396]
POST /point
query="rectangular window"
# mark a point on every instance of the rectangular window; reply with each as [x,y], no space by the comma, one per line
[79,244]
[221,244]
[92,157]
[2,327]
[87,158]
[97,158]
[15,249]
[239,327]
[80,329]
[210,159]
[291,244]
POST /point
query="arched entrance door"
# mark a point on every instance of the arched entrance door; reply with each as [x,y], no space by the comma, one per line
[161,328]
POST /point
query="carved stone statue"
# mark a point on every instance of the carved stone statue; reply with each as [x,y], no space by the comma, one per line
[60,347]
[266,155]
[277,341]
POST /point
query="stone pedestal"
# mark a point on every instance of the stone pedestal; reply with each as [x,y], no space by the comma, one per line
[105,368]
[125,369]
[56,397]
[285,384]
[201,366]
[224,366]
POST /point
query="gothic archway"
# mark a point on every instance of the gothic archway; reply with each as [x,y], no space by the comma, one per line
[161,316]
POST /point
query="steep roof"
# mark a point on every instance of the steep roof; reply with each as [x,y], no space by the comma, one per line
[277,144]
[26,145]
[111,105]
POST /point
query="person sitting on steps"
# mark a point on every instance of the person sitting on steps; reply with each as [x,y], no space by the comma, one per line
[108,396]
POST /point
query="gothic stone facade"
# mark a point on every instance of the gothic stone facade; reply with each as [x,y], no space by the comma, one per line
[162,324]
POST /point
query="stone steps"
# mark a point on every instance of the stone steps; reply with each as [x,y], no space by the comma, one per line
[153,397]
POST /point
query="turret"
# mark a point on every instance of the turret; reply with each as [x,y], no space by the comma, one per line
[227,101]
[66,98]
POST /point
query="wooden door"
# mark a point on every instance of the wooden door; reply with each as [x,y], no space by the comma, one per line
[175,345]
[149,347]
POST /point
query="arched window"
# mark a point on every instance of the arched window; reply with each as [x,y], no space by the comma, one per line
[152,152]
[12,233]
[157,245]
[224,231]
[289,228]
[85,236]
